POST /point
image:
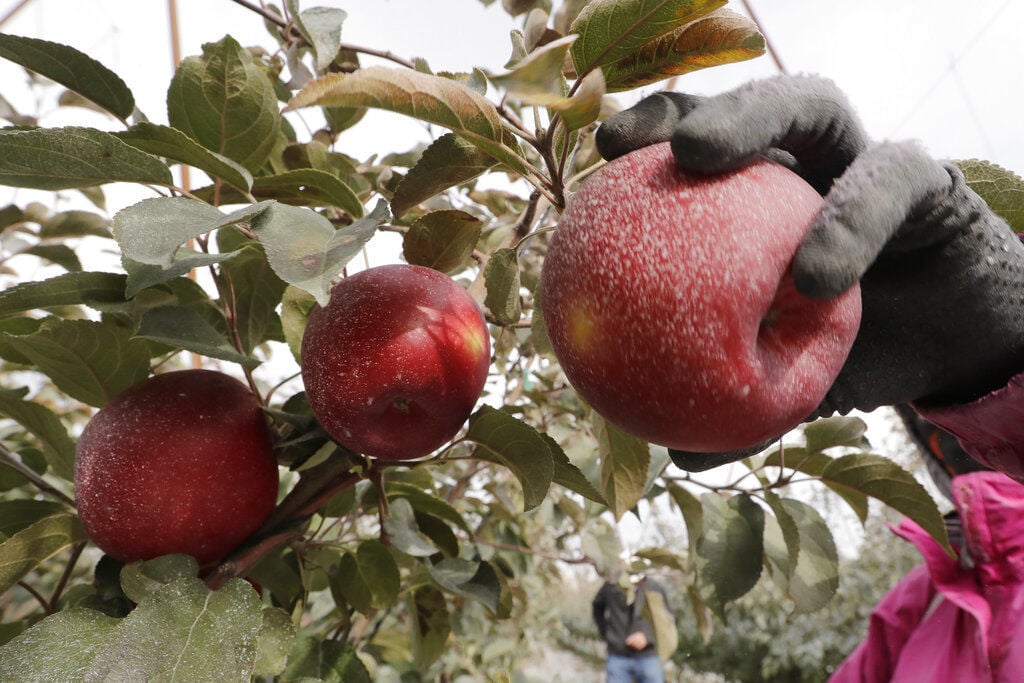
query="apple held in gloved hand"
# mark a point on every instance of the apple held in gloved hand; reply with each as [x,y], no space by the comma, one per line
[670,304]
[394,364]
[182,462]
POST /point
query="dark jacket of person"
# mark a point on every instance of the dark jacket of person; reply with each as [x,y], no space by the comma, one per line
[616,618]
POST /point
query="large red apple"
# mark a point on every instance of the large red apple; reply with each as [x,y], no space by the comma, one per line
[395,363]
[182,462]
[670,304]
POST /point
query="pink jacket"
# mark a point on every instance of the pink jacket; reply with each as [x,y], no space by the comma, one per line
[944,623]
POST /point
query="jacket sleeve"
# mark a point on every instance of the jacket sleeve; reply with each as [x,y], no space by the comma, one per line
[990,429]
[889,627]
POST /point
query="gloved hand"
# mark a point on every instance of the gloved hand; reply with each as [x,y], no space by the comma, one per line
[942,277]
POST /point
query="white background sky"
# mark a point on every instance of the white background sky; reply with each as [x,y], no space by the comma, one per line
[945,72]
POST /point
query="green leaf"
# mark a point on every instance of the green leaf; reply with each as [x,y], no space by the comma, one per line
[308,187]
[255,288]
[447,162]
[584,107]
[144,275]
[58,254]
[430,625]
[566,474]
[296,305]
[829,432]
[501,278]
[140,579]
[72,69]
[693,514]
[41,422]
[18,515]
[720,37]
[625,460]
[1002,190]
[89,361]
[305,250]
[537,79]
[274,642]
[74,223]
[66,158]
[503,439]
[184,328]
[28,548]
[612,30]
[94,289]
[321,27]
[815,578]
[731,546]
[666,635]
[400,525]
[661,557]
[442,240]
[884,480]
[171,143]
[329,661]
[182,631]
[426,503]
[469,579]
[151,231]
[225,102]
[434,99]
[368,578]
[784,559]
[60,647]
[814,464]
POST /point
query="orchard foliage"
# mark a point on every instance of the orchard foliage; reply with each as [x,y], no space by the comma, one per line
[364,566]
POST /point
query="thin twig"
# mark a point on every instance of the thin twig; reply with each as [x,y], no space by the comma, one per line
[39,598]
[24,470]
[76,552]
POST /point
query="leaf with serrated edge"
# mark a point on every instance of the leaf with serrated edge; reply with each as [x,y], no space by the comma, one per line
[447,162]
[28,548]
[151,231]
[256,290]
[400,525]
[426,503]
[789,532]
[815,577]
[274,642]
[308,187]
[584,107]
[183,631]
[321,27]
[443,240]
[721,37]
[89,361]
[731,546]
[94,289]
[502,438]
[41,422]
[466,578]
[171,143]
[1002,190]
[42,652]
[568,475]
[225,101]
[305,250]
[72,69]
[884,480]
[324,660]
[434,99]
[72,157]
[501,280]
[611,30]
[537,78]
[693,514]
[184,328]
[625,461]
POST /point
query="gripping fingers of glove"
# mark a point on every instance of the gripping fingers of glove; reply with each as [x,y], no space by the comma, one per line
[807,116]
[650,121]
[885,188]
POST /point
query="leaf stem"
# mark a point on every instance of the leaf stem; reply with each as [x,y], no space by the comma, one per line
[24,470]
[76,552]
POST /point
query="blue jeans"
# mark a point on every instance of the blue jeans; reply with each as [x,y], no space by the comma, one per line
[634,669]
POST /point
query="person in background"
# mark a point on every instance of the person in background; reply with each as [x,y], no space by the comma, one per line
[941,338]
[619,612]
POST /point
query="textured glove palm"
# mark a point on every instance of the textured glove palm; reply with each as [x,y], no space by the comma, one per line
[942,277]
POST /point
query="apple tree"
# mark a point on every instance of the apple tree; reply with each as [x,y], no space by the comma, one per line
[438,567]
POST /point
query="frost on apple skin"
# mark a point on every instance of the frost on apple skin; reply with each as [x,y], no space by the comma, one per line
[395,363]
[661,302]
[182,462]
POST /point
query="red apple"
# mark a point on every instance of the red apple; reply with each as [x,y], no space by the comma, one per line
[670,303]
[182,462]
[395,363]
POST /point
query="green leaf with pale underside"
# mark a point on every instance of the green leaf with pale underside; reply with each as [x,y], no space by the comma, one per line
[1002,190]
[503,439]
[447,162]
[171,143]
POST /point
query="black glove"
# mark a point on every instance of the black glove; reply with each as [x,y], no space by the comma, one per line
[942,277]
